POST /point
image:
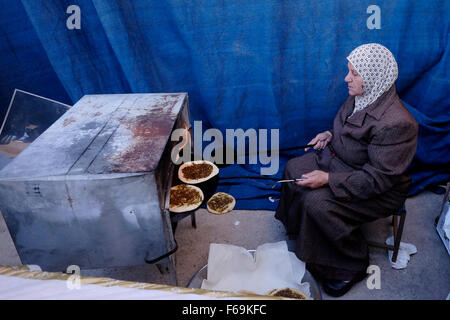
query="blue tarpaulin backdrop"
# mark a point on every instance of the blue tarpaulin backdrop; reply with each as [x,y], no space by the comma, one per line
[245,64]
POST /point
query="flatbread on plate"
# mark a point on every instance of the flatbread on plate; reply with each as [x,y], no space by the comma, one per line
[194,172]
[288,293]
[184,197]
[221,203]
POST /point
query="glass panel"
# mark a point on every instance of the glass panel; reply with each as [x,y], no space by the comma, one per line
[28,116]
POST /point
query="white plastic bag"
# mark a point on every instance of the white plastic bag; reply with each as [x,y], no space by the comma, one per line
[233,268]
[404,252]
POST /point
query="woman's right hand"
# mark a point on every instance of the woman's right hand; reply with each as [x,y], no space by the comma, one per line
[321,140]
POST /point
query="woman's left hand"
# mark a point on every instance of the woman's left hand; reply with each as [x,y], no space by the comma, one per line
[314,179]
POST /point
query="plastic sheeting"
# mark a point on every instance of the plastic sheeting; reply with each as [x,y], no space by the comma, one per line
[259,64]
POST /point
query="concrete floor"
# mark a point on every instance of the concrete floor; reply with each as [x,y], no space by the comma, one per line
[426,277]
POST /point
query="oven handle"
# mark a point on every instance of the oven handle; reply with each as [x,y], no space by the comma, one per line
[164,255]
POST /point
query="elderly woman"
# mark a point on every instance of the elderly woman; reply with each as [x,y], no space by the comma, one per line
[356,175]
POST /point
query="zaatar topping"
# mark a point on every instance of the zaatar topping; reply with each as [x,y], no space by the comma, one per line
[219,202]
[197,171]
[184,195]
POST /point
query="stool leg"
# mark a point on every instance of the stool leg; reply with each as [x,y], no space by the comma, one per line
[193,222]
[398,234]
[394,226]
[174,226]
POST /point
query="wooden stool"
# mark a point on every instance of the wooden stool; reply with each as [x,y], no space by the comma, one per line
[175,217]
[398,222]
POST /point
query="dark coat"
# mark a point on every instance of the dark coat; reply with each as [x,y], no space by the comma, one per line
[366,161]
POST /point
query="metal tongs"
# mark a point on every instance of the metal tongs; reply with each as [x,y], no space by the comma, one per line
[272,199]
[288,180]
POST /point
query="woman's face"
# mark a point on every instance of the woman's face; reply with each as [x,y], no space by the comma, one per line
[354,81]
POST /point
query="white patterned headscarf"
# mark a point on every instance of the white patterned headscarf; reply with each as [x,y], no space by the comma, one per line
[377,67]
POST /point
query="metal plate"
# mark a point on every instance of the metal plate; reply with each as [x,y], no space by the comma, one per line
[123,133]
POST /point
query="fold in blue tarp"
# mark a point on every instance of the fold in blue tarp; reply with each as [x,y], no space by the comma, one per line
[245,64]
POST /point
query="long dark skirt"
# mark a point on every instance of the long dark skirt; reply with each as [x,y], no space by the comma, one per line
[328,229]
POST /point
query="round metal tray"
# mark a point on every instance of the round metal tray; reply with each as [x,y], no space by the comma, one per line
[201,274]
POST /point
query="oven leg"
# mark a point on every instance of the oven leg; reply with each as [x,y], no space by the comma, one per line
[167,265]
[172,271]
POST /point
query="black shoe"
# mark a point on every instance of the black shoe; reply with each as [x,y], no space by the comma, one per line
[313,270]
[337,288]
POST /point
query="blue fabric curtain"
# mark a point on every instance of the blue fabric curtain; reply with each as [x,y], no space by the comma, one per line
[245,64]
